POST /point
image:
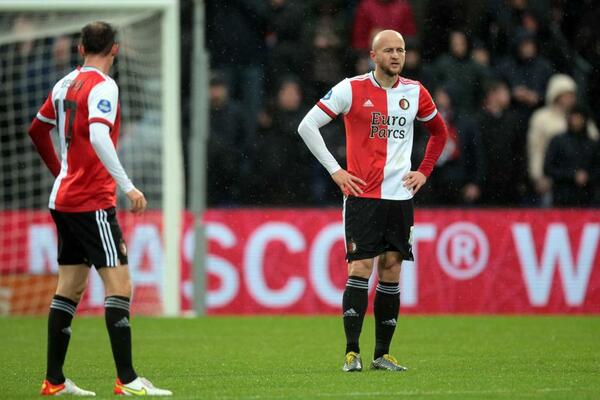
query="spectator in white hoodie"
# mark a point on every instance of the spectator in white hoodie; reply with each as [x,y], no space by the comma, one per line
[547,122]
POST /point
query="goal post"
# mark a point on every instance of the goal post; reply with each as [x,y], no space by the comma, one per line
[148,72]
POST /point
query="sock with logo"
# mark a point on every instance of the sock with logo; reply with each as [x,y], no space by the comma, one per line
[386,309]
[117,324]
[354,305]
[60,316]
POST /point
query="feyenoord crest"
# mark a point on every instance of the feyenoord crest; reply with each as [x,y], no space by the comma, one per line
[351,246]
[123,247]
[404,104]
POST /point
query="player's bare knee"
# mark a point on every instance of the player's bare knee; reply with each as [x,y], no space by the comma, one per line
[78,292]
[360,268]
[390,261]
[119,288]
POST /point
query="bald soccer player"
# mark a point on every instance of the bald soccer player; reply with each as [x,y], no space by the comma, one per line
[379,110]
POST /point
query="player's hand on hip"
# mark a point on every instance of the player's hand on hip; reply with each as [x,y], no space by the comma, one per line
[138,201]
[414,180]
[349,184]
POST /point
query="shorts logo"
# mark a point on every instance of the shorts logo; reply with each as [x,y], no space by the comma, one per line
[123,247]
[104,106]
[351,246]
[404,104]
[328,95]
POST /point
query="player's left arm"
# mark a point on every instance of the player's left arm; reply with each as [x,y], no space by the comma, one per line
[102,106]
[39,132]
[438,132]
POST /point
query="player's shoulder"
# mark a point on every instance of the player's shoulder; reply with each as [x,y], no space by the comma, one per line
[358,78]
[105,84]
[408,82]
[65,81]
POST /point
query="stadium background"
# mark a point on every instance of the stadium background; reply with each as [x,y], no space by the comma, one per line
[493,235]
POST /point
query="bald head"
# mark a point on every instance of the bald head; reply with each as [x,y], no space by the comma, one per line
[387,38]
[388,54]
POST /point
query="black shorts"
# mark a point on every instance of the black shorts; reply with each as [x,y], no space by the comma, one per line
[374,226]
[92,238]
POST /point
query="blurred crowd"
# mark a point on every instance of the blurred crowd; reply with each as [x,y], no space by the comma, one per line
[517,81]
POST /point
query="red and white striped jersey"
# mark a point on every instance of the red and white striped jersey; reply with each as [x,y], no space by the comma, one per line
[379,130]
[84,96]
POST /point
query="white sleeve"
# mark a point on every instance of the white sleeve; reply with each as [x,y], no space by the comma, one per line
[103,102]
[338,100]
[309,131]
[105,149]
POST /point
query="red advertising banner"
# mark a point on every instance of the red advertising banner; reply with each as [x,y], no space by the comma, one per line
[292,261]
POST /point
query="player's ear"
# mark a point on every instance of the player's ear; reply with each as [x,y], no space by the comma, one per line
[114,50]
[373,55]
[81,50]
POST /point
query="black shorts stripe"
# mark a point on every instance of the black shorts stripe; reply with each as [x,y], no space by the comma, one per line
[110,244]
[102,237]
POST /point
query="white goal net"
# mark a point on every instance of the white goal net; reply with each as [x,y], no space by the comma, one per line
[36,50]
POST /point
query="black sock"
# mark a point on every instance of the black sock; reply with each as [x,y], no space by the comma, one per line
[354,304]
[60,316]
[117,324]
[386,307]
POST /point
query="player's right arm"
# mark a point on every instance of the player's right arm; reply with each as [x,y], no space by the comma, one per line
[336,101]
[39,132]
[102,106]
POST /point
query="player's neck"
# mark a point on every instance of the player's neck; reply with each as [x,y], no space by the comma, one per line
[385,81]
[102,63]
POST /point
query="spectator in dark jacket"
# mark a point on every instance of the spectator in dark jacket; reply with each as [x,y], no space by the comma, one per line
[459,73]
[235,37]
[504,182]
[278,149]
[413,65]
[225,158]
[571,163]
[287,55]
[460,169]
[527,74]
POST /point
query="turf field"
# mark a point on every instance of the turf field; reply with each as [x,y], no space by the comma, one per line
[301,358]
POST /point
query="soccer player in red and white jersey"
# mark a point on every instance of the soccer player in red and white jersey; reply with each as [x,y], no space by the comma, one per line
[379,111]
[83,108]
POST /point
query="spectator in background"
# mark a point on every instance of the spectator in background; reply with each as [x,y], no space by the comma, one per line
[571,162]
[413,66]
[527,74]
[278,147]
[225,172]
[585,37]
[548,122]
[481,56]
[503,183]
[459,171]
[27,76]
[373,16]
[459,73]
[235,37]
[441,18]
[62,52]
[503,19]
[326,43]
[287,55]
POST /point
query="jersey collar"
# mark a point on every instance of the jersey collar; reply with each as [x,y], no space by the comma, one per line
[377,84]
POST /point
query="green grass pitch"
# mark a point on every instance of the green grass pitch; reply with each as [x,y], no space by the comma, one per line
[449,357]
